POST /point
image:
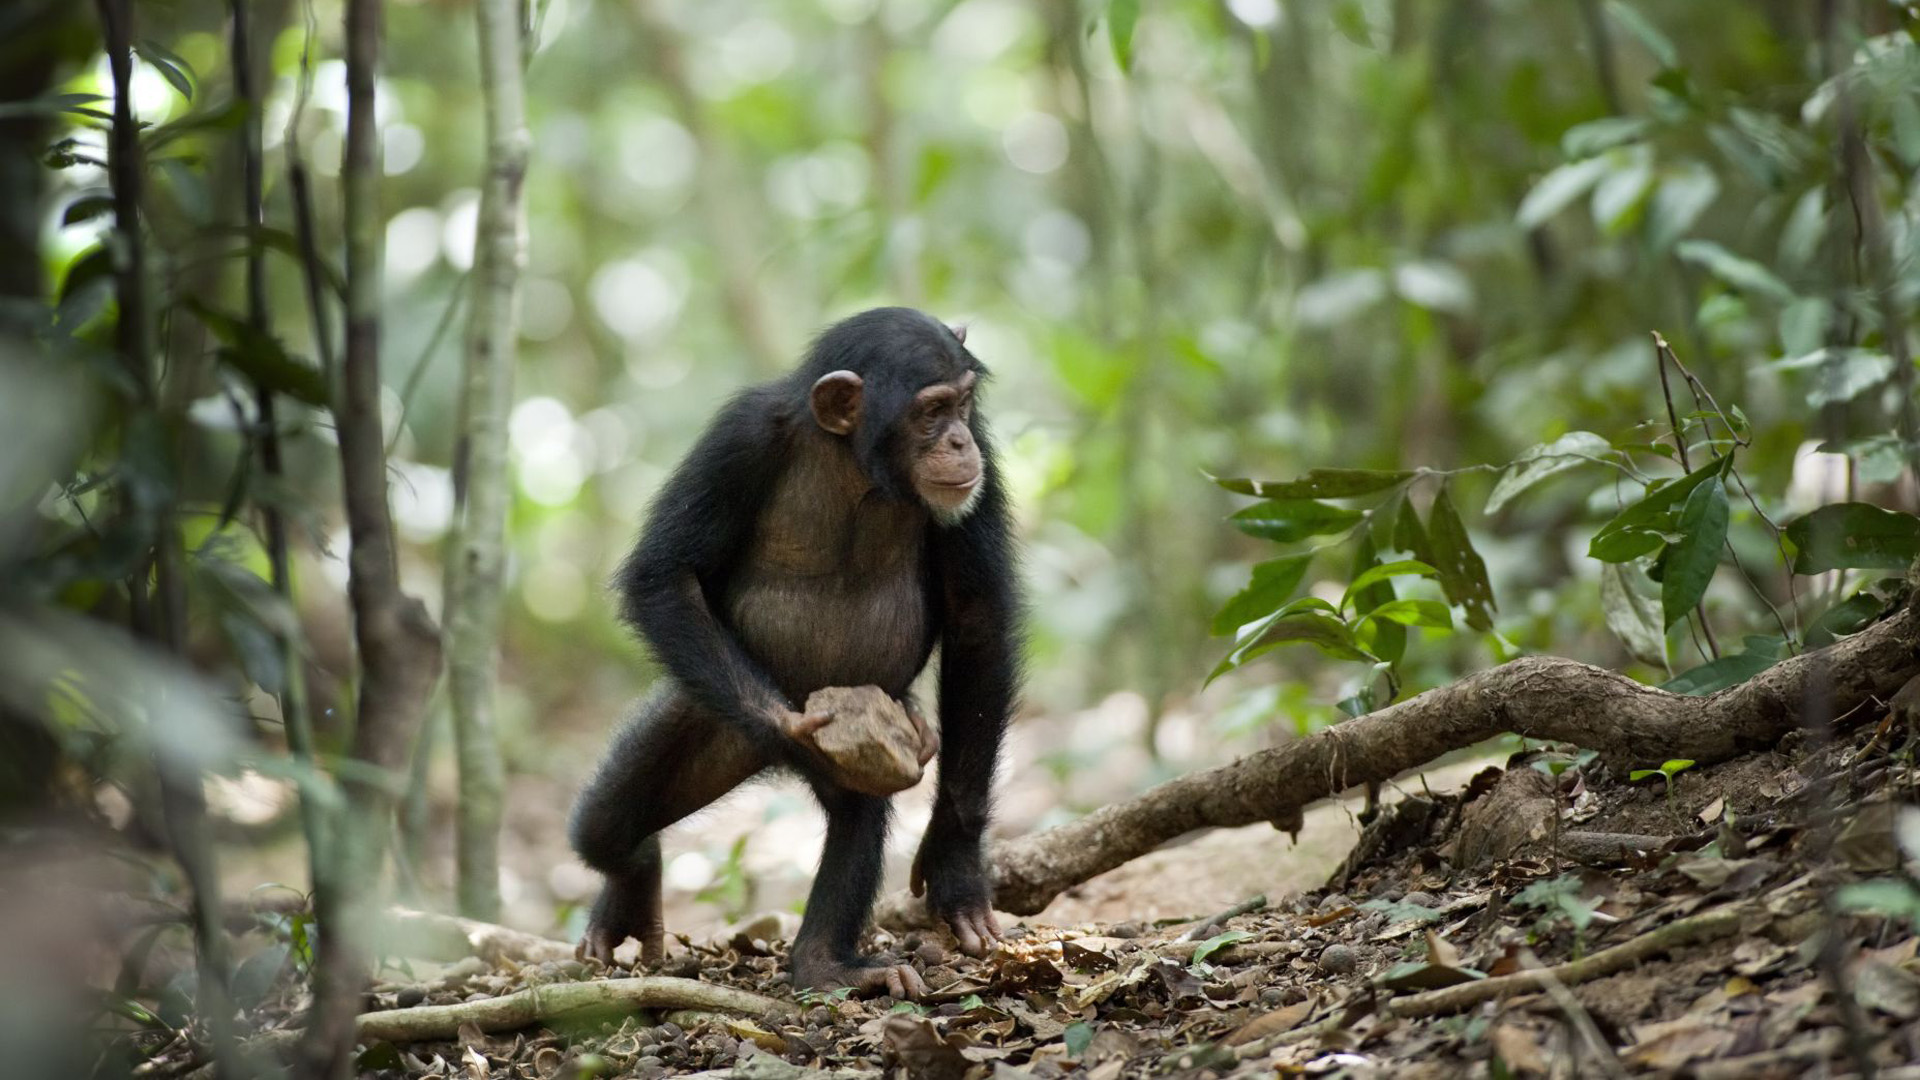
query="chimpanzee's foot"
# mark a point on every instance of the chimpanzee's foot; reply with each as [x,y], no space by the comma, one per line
[895,980]
[619,914]
[598,943]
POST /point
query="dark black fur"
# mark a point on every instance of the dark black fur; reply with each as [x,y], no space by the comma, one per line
[779,559]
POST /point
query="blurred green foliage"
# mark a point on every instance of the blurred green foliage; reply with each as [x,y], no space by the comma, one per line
[1240,238]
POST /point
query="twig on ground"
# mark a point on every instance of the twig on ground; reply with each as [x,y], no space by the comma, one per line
[1692,930]
[1576,1014]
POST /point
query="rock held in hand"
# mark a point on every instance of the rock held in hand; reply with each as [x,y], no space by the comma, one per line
[870,739]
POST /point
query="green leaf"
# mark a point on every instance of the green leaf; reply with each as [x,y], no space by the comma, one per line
[169,65]
[1078,1036]
[1408,533]
[1714,675]
[1273,581]
[1736,271]
[86,208]
[1803,325]
[1430,613]
[1569,451]
[1854,536]
[1288,520]
[1678,203]
[1640,529]
[1881,896]
[1638,775]
[1619,195]
[1387,640]
[1557,190]
[1122,17]
[1317,484]
[1595,136]
[261,358]
[1849,616]
[1463,574]
[1215,943]
[1675,766]
[1323,632]
[1842,374]
[1650,36]
[1693,558]
[52,105]
[1632,615]
[1383,571]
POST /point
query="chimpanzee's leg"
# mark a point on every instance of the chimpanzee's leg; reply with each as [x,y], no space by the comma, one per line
[826,951]
[671,759]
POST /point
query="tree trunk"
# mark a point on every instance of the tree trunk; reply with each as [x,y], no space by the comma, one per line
[1538,697]
[476,555]
[398,644]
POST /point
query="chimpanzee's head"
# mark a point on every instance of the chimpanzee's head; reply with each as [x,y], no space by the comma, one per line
[898,384]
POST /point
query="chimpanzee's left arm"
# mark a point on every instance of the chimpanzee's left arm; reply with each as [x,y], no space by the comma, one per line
[979,607]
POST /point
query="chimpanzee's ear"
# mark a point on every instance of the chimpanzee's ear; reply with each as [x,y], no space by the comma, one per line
[836,401]
[959,330]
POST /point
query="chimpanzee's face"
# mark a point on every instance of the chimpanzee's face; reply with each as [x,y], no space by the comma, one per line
[944,460]
[907,411]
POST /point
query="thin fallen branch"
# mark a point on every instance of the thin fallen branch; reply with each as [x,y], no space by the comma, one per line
[1540,697]
[545,1004]
[1692,930]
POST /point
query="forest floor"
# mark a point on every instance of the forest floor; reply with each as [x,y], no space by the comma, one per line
[1525,924]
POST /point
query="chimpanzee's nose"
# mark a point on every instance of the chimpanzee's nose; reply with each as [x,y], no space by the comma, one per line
[957,439]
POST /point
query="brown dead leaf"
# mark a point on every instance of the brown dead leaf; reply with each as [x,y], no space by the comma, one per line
[1887,989]
[1897,954]
[1756,956]
[1044,1027]
[754,1033]
[474,1064]
[1807,994]
[1712,811]
[1111,1043]
[1440,953]
[1283,1019]
[1323,918]
[1870,841]
[1092,953]
[1671,1044]
[915,1044]
[470,1035]
[1026,974]
[1518,1049]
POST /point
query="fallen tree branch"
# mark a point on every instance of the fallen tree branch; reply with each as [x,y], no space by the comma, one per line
[537,1005]
[545,1004]
[1539,697]
[1691,930]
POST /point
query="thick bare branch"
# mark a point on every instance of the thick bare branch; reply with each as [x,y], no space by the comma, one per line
[1540,697]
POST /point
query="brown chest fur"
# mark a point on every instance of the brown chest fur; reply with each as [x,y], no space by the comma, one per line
[833,591]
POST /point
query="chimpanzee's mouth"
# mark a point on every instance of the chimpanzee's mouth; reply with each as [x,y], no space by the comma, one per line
[960,485]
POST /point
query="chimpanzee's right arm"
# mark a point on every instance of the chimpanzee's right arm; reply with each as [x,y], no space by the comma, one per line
[701,523]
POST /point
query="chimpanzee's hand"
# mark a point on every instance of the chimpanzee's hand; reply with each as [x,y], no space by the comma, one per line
[952,875]
[929,738]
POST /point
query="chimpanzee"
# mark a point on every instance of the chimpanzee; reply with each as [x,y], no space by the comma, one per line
[829,529]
